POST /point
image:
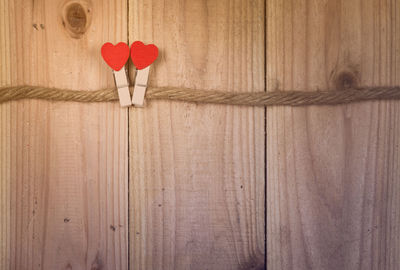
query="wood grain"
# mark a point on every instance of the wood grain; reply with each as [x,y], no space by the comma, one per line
[66,162]
[5,138]
[197,171]
[332,171]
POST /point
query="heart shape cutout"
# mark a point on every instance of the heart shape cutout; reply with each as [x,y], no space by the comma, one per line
[115,56]
[143,55]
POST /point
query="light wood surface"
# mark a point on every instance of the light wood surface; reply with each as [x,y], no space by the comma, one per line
[64,166]
[197,171]
[333,172]
[5,138]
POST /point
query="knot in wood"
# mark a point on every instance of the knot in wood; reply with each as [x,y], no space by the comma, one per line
[346,80]
[76,18]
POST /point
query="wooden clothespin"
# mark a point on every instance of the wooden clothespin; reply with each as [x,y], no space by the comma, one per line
[139,91]
[142,57]
[116,57]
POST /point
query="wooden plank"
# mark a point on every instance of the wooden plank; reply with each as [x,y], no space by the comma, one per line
[68,165]
[5,138]
[333,191]
[197,171]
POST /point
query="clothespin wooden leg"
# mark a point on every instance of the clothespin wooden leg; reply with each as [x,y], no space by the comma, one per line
[121,81]
[139,91]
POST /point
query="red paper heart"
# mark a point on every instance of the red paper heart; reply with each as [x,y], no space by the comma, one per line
[143,55]
[115,56]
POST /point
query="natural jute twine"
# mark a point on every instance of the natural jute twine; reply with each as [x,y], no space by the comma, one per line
[273,98]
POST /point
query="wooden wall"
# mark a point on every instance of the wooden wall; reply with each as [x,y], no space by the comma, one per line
[5,138]
[182,186]
[196,172]
[64,166]
[333,172]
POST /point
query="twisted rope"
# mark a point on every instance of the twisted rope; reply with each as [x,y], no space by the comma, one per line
[289,98]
